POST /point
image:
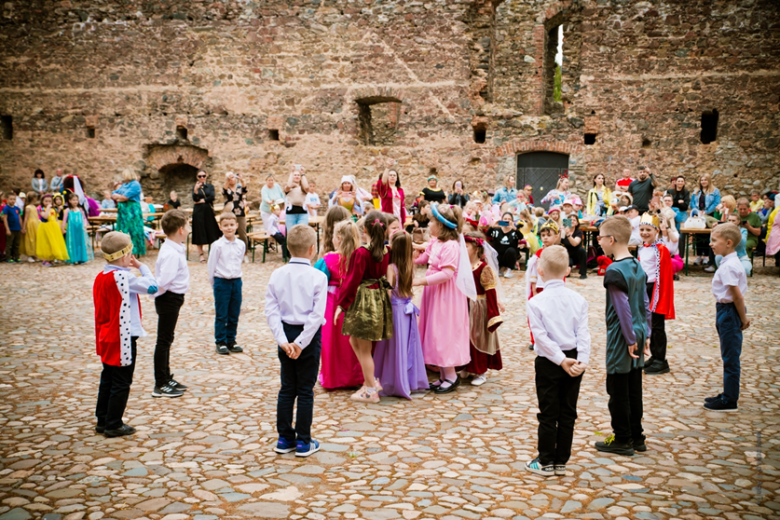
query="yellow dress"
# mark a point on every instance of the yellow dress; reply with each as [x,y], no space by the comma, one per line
[31,231]
[51,244]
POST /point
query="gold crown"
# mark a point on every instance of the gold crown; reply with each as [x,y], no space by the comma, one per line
[649,219]
[110,257]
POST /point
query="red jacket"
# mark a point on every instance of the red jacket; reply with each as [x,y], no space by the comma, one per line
[663,290]
[386,198]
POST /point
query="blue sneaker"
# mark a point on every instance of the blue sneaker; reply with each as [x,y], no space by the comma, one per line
[284,446]
[304,450]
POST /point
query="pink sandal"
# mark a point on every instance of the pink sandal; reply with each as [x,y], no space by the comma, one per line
[366,395]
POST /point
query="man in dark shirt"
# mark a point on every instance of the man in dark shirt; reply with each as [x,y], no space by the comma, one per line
[642,190]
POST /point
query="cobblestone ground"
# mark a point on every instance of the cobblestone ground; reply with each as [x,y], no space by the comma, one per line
[208,455]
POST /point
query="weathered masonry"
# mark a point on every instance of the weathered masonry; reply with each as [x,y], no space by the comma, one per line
[466,88]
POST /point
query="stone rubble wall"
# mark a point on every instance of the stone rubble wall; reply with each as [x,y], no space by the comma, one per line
[637,74]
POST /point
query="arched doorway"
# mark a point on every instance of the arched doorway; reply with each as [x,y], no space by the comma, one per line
[179,177]
[542,171]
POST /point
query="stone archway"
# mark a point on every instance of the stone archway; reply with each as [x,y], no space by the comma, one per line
[172,167]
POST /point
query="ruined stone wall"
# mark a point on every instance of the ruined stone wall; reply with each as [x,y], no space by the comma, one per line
[238,74]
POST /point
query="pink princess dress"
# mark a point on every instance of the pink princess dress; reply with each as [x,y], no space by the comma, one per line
[444,310]
[340,367]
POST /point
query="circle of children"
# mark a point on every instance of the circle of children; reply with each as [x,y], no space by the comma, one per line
[348,320]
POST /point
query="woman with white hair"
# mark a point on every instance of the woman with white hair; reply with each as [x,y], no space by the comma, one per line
[234,190]
[129,216]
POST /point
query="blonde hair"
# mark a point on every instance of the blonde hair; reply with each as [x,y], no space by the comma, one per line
[348,232]
[728,231]
[300,239]
[228,215]
[554,261]
[129,175]
[710,186]
[114,241]
[729,202]
[619,227]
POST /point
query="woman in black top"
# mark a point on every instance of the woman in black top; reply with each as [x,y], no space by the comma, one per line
[458,197]
[571,239]
[432,193]
[505,239]
[680,196]
[204,226]
[234,192]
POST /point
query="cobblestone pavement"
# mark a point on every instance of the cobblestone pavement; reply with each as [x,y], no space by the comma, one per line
[208,455]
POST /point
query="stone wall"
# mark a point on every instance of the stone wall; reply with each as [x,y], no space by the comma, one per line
[261,85]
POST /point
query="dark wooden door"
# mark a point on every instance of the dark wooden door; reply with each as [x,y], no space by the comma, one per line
[542,171]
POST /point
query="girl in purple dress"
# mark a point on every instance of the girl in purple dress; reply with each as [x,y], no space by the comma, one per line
[399,363]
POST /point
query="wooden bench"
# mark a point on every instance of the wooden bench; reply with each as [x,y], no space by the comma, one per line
[265,238]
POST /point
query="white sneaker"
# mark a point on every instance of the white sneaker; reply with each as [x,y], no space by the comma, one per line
[697,260]
[479,380]
[509,274]
[710,269]
[246,260]
[31,259]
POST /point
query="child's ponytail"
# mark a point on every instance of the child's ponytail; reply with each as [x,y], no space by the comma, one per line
[375,226]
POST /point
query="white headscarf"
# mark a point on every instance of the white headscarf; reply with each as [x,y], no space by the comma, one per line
[464,278]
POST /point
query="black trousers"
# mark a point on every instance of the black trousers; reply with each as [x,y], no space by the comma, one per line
[12,243]
[658,336]
[113,393]
[625,405]
[298,379]
[282,241]
[508,258]
[578,256]
[167,306]
[557,393]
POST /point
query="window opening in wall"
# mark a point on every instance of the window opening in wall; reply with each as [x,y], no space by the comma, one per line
[480,133]
[553,67]
[590,139]
[378,119]
[273,135]
[709,126]
[90,132]
[181,133]
[7,123]
[646,143]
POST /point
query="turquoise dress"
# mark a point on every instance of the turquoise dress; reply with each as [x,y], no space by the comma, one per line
[129,217]
[77,239]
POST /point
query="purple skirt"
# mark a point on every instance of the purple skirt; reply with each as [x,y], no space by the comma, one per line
[398,361]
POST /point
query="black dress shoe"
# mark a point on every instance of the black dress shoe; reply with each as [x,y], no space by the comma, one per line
[234,349]
[222,349]
[657,368]
[125,429]
[451,388]
[100,429]
[639,444]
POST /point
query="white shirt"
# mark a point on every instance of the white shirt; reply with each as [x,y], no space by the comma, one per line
[296,295]
[673,247]
[144,284]
[731,273]
[171,269]
[314,200]
[272,225]
[648,260]
[559,322]
[636,239]
[225,258]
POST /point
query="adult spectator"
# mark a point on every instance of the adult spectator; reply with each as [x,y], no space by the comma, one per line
[681,199]
[624,182]
[599,198]
[296,188]
[129,216]
[507,193]
[642,190]
[704,201]
[391,195]
[750,221]
[559,195]
[458,197]
[234,191]
[39,183]
[518,205]
[271,194]
[346,196]
[56,182]
[571,238]
[505,239]
[432,192]
[205,230]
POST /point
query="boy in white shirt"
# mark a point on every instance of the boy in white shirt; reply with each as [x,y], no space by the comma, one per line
[312,199]
[225,258]
[295,310]
[173,281]
[729,286]
[559,321]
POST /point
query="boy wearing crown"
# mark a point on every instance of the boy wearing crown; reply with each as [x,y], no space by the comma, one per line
[117,327]
[657,264]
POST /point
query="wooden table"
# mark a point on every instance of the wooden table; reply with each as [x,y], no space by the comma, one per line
[587,229]
[315,223]
[684,232]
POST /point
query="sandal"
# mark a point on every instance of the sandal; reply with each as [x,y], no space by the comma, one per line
[202,259]
[366,395]
[453,385]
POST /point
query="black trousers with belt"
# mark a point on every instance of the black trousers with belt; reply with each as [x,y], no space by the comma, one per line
[557,393]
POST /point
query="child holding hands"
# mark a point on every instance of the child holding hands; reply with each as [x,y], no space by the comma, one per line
[559,321]
[295,303]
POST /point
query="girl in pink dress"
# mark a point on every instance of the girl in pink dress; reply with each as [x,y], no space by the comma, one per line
[444,313]
[340,367]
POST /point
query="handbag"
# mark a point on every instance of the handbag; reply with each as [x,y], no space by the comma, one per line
[695,222]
